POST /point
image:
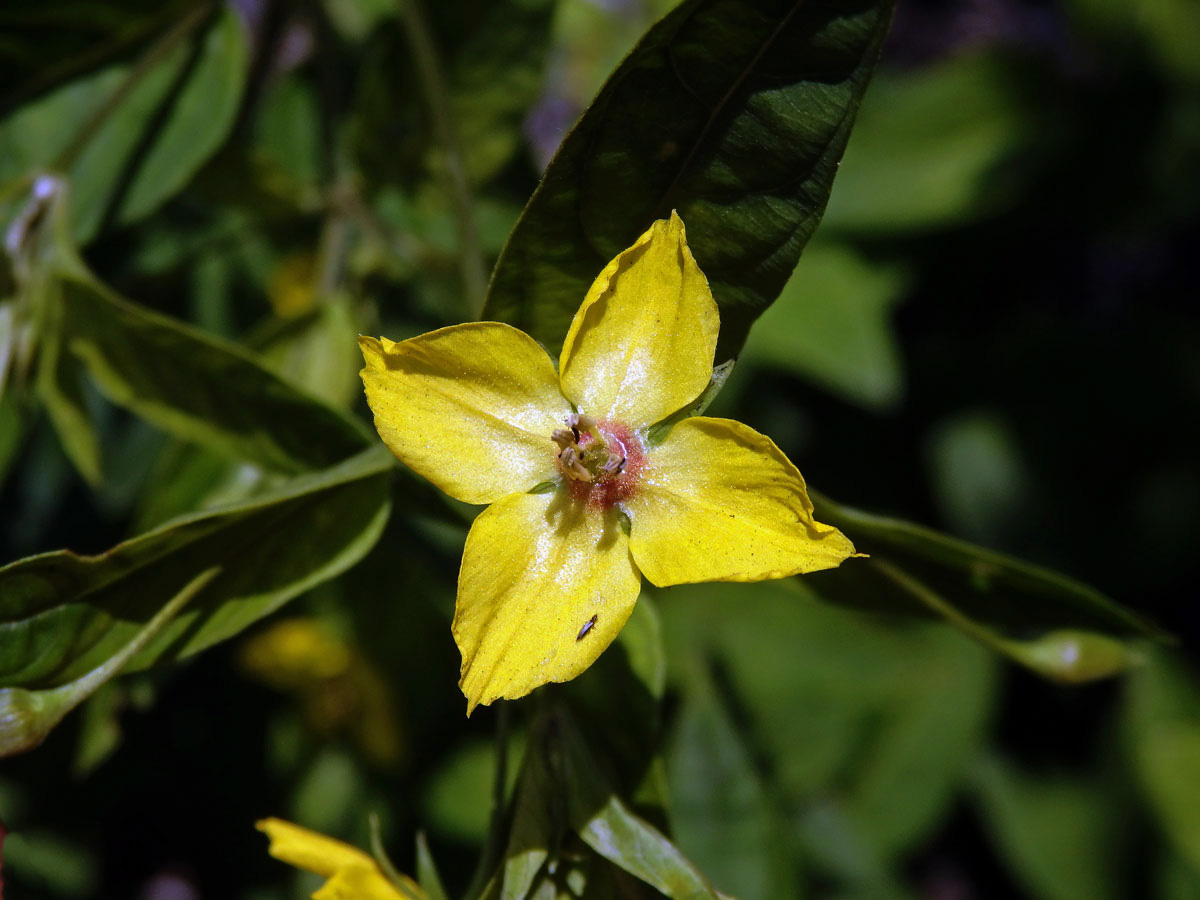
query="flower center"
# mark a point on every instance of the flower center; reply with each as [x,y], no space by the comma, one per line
[599,459]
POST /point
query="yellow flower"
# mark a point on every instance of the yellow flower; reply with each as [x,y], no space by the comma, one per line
[583,503]
[350,873]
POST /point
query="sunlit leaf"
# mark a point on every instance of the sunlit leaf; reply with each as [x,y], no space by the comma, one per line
[831,324]
[64,614]
[607,824]
[939,145]
[733,113]
[181,379]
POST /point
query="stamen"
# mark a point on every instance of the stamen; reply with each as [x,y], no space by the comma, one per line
[564,438]
[573,466]
[614,464]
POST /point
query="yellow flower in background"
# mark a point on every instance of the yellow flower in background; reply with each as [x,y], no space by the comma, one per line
[350,874]
[583,503]
[338,688]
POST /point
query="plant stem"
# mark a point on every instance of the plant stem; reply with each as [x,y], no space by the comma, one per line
[470,256]
[177,34]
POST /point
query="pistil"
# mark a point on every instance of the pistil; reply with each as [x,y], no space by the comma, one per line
[584,453]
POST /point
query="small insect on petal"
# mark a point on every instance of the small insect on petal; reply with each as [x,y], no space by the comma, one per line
[587,626]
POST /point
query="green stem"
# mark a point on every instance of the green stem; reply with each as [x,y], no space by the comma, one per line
[934,601]
[470,257]
[176,35]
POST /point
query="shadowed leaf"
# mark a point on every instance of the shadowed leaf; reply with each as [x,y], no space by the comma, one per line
[731,112]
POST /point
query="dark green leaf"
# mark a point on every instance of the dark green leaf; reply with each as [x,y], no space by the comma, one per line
[27,716]
[47,43]
[721,812]
[175,114]
[608,826]
[495,78]
[65,614]
[733,113]
[981,585]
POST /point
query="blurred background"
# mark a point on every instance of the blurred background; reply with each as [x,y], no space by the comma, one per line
[993,333]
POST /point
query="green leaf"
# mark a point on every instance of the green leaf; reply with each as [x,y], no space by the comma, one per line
[65,614]
[831,324]
[608,826]
[181,379]
[535,829]
[1059,833]
[60,389]
[427,873]
[27,716]
[982,585]
[198,387]
[169,116]
[1163,732]
[734,113]
[721,811]
[200,117]
[46,44]
[939,145]
[834,703]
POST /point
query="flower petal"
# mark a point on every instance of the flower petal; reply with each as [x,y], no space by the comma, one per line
[546,584]
[720,502]
[359,883]
[470,407]
[641,345]
[308,850]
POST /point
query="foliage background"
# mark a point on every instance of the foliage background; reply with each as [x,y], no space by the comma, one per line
[993,333]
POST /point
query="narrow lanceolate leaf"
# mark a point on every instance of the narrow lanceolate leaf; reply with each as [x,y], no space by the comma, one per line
[62,614]
[732,112]
[1060,628]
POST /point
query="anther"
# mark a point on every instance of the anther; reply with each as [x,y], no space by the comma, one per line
[571,463]
[614,464]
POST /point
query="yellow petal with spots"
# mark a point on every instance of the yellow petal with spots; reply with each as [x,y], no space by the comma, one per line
[641,345]
[720,502]
[546,584]
[470,407]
